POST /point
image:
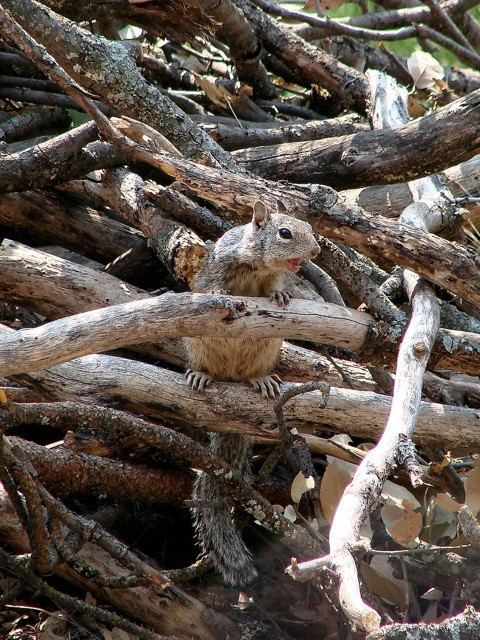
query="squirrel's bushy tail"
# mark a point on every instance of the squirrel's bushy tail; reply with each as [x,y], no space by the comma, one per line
[216,531]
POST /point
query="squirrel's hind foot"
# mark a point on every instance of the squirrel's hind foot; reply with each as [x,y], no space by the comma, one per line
[282,298]
[198,380]
[268,386]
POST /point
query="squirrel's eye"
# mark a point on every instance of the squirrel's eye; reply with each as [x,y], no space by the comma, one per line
[285,233]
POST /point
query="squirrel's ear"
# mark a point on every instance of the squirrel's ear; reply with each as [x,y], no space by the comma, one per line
[281,208]
[260,214]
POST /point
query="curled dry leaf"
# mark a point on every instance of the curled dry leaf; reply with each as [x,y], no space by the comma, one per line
[424,69]
[432,594]
[399,496]
[447,503]
[218,95]
[301,485]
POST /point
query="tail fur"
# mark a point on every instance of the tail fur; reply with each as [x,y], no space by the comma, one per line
[216,531]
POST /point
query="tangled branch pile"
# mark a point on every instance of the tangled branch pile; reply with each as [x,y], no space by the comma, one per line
[133,131]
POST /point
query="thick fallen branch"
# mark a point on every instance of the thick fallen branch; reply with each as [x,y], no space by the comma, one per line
[185,314]
[71,225]
[158,392]
[424,146]
[445,263]
[54,287]
[173,612]
[390,200]
[231,138]
[177,247]
[464,626]
[63,158]
[177,315]
[32,121]
[66,472]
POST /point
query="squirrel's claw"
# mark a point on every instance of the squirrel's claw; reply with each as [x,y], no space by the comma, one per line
[282,298]
[198,380]
[268,386]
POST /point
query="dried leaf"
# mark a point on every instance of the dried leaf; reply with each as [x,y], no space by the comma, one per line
[415,108]
[3,397]
[472,490]
[402,522]
[440,523]
[433,594]
[335,479]
[218,95]
[244,601]
[301,485]
[341,438]
[379,579]
[130,32]
[447,503]
[53,627]
[398,495]
[424,69]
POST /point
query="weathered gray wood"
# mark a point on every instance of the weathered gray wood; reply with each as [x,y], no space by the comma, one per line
[364,491]
[230,407]
[436,141]
[178,315]
[55,287]
[445,263]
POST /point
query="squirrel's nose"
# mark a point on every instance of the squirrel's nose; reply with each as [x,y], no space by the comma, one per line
[315,251]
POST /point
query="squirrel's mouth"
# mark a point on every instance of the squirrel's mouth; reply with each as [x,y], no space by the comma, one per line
[293,264]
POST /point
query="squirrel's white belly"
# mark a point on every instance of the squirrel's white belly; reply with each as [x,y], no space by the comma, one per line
[233,359]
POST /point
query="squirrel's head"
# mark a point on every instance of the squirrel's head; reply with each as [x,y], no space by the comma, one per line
[284,240]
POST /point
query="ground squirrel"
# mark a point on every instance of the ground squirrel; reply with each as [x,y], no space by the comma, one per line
[250,260]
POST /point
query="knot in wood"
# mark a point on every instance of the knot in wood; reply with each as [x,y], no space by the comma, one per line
[350,157]
[419,349]
[322,198]
[234,307]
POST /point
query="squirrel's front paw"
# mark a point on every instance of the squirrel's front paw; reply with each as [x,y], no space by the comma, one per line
[282,298]
[268,386]
[198,380]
